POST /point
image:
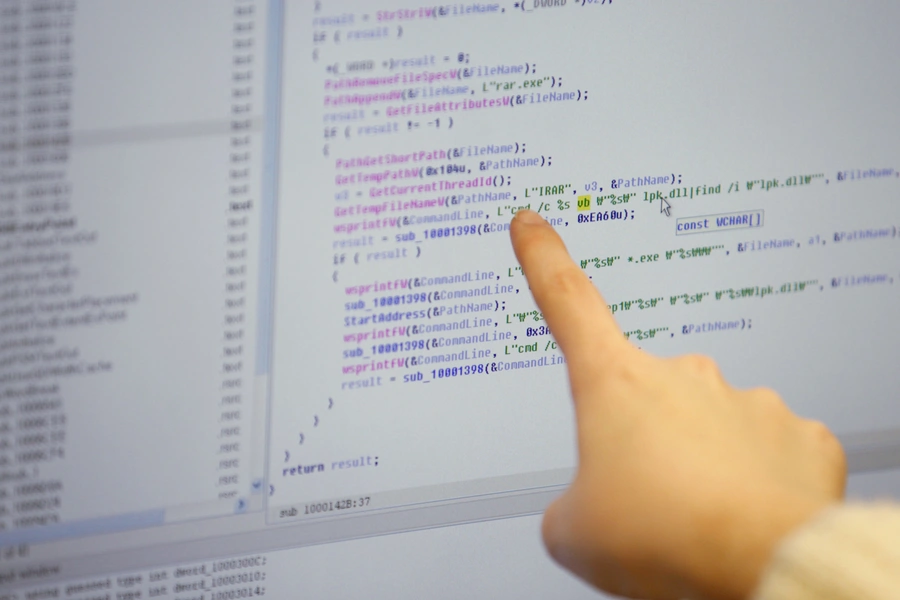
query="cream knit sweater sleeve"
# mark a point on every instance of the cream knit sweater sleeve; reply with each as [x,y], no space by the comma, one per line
[847,553]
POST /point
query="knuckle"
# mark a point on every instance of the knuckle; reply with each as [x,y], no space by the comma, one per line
[627,368]
[554,285]
[565,280]
[702,364]
[769,399]
[828,443]
[820,433]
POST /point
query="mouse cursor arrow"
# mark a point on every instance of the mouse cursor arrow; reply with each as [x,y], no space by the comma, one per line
[664,206]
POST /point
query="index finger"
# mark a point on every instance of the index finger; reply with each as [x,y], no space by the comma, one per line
[575,311]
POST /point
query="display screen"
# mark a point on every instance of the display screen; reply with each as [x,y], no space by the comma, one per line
[259,310]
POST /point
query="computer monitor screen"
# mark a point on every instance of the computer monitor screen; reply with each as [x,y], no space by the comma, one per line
[261,328]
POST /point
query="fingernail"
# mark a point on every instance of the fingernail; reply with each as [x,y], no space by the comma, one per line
[529,217]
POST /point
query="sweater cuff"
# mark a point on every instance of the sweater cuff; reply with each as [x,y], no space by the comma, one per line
[847,552]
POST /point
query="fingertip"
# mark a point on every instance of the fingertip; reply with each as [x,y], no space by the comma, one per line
[528,217]
[528,233]
[524,222]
